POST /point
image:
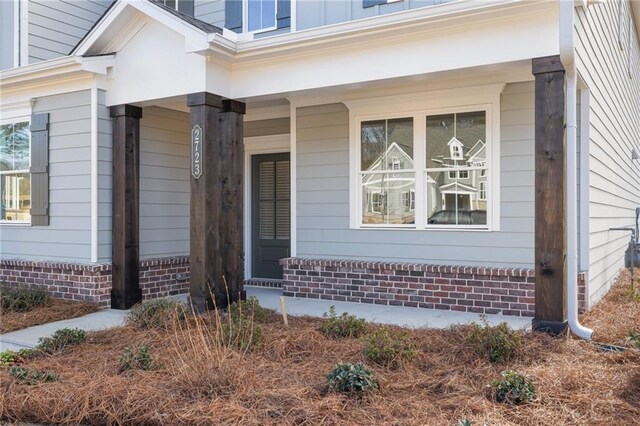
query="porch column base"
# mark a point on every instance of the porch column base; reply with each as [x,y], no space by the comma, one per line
[555,328]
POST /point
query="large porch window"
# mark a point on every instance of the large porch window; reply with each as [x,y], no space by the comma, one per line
[426,169]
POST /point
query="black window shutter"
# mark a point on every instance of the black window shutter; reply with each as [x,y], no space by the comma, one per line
[40,169]
[233,15]
[284,13]
[371,3]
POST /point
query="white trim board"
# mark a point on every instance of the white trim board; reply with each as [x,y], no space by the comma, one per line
[271,144]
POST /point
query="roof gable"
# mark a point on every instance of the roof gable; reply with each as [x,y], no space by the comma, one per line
[119,23]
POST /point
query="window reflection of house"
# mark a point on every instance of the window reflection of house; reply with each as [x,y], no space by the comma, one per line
[456,143]
[389,196]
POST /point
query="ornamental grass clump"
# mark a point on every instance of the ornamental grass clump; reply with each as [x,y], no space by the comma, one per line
[250,308]
[497,343]
[342,326]
[350,378]
[634,338]
[389,347]
[513,388]
[140,359]
[32,377]
[61,340]
[241,333]
[156,313]
[21,299]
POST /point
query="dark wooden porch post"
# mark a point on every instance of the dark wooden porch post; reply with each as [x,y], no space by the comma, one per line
[550,189]
[125,290]
[217,163]
[231,216]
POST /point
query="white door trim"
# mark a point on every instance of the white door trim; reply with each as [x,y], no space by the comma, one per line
[272,144]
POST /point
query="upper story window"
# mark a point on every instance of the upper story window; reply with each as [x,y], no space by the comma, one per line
[257,16]
[261,14]
[371,3]
[15,179]
[426,161]
[184,6]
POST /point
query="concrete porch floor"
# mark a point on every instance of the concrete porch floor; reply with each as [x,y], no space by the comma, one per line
[270,298]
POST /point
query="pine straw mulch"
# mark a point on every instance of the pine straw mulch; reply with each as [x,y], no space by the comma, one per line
[53,310]
[284,381]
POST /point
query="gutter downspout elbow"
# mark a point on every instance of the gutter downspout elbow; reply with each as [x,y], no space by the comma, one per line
[567,56]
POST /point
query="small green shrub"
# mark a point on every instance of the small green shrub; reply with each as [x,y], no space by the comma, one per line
[634,338]
[352,378]
[21,299]
[464,422]
[241,333]
[32,377]
[342,326]
[513,388]
[389,347]
[136,360]
[250,308]
[498,343]
[156,313]
[8,358]
[61,340]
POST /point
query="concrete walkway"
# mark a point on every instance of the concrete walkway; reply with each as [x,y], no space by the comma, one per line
[397,315]
[270,298]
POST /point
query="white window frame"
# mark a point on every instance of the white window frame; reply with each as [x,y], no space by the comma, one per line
[419,106]
[15,172]
[245,19]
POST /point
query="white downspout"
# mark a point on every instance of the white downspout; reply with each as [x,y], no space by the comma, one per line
[567,56]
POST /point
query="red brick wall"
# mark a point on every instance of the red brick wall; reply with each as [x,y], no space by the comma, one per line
[507,291]
[158,277]
[92,282]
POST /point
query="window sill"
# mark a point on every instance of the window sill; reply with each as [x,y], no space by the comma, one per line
[432,228]
[14,223]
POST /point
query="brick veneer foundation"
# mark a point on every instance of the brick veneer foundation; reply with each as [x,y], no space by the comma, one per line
[507,291]
[92,282]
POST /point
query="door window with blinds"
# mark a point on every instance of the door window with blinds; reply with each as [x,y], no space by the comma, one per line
[271,213]
[274,200]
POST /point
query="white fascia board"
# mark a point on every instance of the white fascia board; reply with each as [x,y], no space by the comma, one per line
[96,64]
[196,40]
[369,28]
[465,43]
[67,68]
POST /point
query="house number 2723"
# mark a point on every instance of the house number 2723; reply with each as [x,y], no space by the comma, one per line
[196,151]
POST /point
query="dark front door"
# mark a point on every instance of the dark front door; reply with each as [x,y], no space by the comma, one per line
[270,207]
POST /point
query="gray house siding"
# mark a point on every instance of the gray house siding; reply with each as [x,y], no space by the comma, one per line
[614,131]
[272,126]
[105,172]
[210,11]
[68,237]
[164,183]
[323,196]
[56,26]
[316,13]
[7,34]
